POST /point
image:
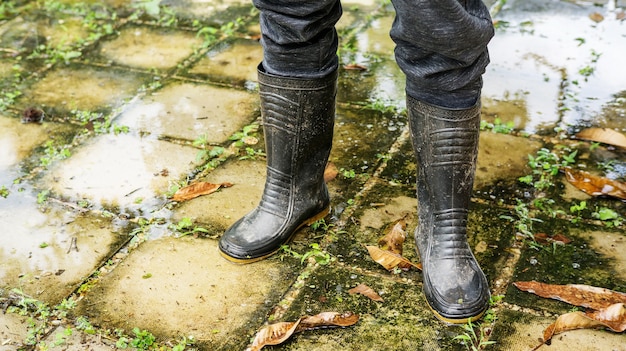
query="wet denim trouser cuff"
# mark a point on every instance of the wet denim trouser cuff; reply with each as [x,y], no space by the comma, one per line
[441,45]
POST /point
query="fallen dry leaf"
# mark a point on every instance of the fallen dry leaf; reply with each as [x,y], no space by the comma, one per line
[612,317]
[273,334]
[574,294]
[327,319]
[355,67]
[394,239]
[277,333]
[603,135]
[366,291]
[197,189]
[595,185]
[596,17]
[389,260]
[330,172]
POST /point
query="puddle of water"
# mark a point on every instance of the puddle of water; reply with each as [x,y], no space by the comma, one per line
[150,48]
[545,54]
[17,141]
[234,63]
[188,111]
[122,170]
[47,253]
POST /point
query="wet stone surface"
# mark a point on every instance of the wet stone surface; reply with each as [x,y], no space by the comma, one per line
[143,97]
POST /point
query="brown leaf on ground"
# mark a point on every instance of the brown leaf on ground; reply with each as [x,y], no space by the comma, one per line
[197,189]
[603,135]
[595,185]
[390,260]
[355,67]
[277,333]
[574,294]
[330,172]
[273,334]
[394,239]
[613,317]
[327,319]
[366,291]
[544,238]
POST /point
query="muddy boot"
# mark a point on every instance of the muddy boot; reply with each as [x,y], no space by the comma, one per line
[446,146]
[298,119]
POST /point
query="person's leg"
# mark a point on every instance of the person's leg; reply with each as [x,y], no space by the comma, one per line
[442,49]
[297,86]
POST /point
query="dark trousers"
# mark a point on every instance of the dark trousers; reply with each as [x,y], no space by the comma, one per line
[441,45]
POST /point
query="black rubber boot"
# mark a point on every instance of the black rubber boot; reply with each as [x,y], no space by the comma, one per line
[298,120]
[446,146]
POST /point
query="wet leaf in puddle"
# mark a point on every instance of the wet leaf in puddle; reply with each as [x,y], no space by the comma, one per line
[389,260]
[330,172]
[394,239]
[595,185]
[273,334]
[603,135]
[574,294]
[198,189]
[596,17]
[366,291]
[326,320]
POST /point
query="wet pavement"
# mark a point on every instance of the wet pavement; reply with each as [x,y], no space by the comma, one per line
[139,100]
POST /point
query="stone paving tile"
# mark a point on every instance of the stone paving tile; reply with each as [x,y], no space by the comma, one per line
[185,288]
[231,63]
[519,331]
[187,111]
[83,88]
[13,331]
[134,47]
[49,255]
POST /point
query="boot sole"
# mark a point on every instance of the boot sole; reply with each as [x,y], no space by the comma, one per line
[307,222]
[456,320]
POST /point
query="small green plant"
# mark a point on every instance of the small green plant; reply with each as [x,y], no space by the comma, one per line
[53,153]
[608,216]
[523,220]
[347,173]
[143,339]
[545,166]
[498,126]
[320,256]
[4,192]
[42,197]
[471,340]
[381,105]
[186,227]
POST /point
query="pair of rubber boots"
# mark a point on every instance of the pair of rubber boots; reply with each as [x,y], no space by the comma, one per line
[298,119]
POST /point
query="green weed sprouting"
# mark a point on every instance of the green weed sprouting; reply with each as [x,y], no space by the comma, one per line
[320,256]
[498,126]
[545,166]
[471,340]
